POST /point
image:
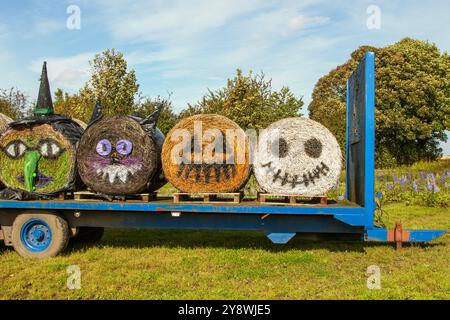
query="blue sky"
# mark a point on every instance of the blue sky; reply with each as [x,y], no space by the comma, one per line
[185,47]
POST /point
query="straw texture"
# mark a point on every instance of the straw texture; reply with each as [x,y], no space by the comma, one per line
[297,156]
[209,164]
[116,156]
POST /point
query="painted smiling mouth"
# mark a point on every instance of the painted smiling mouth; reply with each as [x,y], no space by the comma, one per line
[41,180]
[294,180]
[205,171]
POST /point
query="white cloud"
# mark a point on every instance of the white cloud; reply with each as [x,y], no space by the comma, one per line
[300,22]
[69,73]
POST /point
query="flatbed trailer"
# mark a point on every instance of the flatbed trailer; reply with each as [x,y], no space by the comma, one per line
[42,228]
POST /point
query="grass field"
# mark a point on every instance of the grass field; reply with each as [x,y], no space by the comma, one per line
[147,264]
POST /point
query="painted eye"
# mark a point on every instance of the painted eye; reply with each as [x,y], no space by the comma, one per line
[104,147]
[313,148]
[124,147]
[279,147]
[15,149]
[49,149]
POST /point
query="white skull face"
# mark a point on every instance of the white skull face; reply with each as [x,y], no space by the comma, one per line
[297,156]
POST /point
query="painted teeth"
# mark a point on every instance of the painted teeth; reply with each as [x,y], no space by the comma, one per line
[306,179]
[121,172]
[225,171]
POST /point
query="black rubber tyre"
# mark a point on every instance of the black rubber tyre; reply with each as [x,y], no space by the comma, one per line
[89,235]
[59,235]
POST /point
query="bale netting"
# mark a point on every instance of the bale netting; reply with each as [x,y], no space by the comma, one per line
[4,122]
[38,153]
[120,155]
[206,153]
[297,156]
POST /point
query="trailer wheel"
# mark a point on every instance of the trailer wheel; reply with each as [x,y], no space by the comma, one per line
[39,235]
[89,234]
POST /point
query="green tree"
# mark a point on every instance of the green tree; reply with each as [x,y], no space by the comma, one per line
[250,101]
[13,103]
[412,100]
[167,118]
[110,81]
[78,106]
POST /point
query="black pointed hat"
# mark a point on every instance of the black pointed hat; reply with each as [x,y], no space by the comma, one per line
[44,105]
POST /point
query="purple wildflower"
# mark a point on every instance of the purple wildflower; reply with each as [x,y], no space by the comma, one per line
[402,181]
[436,189]
[431,175]
[416,188]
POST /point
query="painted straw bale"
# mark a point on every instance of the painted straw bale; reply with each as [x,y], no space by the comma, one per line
[297,156]
[38,153]
[4,122]
[206,153]
[121,155]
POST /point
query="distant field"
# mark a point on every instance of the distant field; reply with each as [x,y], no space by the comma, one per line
[154,264]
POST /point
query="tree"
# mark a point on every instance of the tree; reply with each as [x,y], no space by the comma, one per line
[167,118]
[13,103]
[110,82]
[250,101]
[412,100]
[78,106]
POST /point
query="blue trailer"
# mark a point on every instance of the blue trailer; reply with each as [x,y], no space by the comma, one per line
[42,228]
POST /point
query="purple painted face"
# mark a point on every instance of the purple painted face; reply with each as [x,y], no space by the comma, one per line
[114,163]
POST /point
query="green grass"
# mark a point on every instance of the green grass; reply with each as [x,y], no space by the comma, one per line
[171,264]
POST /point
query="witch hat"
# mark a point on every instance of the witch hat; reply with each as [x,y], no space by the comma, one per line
[44,105]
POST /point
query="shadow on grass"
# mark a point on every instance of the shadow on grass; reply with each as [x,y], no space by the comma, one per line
[195,239]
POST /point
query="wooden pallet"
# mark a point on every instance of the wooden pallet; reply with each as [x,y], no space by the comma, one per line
[90,196]
[289,199]
[208,197]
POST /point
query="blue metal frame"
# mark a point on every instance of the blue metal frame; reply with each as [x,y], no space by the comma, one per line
[280,223]
[360,132]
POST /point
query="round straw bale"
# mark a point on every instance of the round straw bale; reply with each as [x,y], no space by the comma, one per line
[38,154]
[297,156]
[118,156]
[206,153]
[4,122]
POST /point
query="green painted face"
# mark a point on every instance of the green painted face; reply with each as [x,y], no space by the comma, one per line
[38,160]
